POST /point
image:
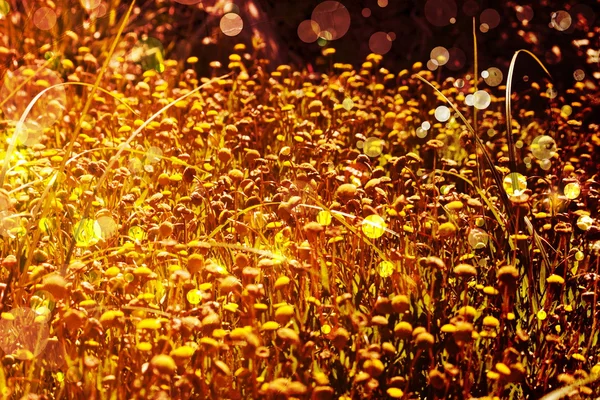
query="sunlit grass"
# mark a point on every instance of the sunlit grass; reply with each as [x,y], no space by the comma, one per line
[272,233]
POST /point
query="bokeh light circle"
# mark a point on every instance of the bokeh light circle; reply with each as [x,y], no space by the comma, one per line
[440,54]
[494,76]
[333,17]
[23,333]
[231,8]
[561,20]
[308,31]
[73,375]
[439,12]
[481,99]
[325,37]
[153,155]
[585,222]
[44,18]
[90,5]
[478,238]
[231,24]
[53,358]
[373,146]
[385,268]
[5,202]
[380,43]
[366,12]
[4,9]
[421,133]
[373,226]
[572,190]
[583,16]
[543,147]
[42,302]
[579,75]
[135,166]
[442,113]
[108,226]
[99,11]
[469,100]
[514,184]
[87,232]
[490,17]
[149,53]
[457,59]
[524,13]
[545,164]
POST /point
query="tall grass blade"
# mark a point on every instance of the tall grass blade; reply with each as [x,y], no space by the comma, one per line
[495,175]
[511,144]
[86,107]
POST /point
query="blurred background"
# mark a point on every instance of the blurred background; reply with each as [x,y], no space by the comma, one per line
[563,34]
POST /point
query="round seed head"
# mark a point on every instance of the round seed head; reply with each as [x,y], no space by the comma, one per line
[465,270]
[508,275]
[403,330]
[163,364]
[346,192]
[425,340]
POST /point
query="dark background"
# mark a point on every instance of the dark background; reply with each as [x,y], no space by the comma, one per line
[415,35]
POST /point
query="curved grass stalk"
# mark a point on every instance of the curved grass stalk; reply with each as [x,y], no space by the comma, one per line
[495,175]
[511,145]
[86,107]
[114,158]
[482,194]
[538,241]
[514,223]
[513,167]
[11,94]
[152,118]
[21,122]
